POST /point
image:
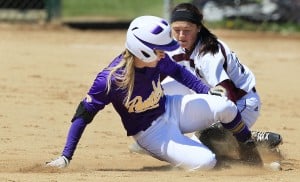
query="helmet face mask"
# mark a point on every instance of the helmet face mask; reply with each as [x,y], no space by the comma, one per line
[148,33]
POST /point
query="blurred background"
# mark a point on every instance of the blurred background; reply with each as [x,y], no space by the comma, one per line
[264,15]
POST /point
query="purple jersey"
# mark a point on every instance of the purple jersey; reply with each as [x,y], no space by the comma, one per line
[147,101]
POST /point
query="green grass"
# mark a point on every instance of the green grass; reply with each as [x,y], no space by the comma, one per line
[128,9]
[118,9]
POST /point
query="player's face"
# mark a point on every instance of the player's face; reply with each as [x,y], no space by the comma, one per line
[185,33]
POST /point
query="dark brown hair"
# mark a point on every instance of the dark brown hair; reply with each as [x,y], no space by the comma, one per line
[208,40]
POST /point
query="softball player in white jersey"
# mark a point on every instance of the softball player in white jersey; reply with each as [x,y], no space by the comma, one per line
[214,63]
[210,69]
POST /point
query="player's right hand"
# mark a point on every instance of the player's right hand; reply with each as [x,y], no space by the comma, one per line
[60,162]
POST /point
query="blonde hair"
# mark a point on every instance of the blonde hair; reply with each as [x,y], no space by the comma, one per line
[124,79]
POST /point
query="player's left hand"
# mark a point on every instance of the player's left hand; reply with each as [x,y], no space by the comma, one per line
[60,162]
[218,91]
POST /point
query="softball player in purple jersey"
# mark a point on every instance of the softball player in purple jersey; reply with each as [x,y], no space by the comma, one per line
[131,83]
[212,61]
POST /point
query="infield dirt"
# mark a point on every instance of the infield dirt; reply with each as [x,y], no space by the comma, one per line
[45,72]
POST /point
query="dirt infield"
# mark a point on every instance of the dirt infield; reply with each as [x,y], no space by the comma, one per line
[45,72]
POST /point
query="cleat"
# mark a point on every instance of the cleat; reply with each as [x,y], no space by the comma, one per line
[225,145]
[268,139]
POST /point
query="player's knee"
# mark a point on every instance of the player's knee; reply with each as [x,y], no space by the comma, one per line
[226,112]
[207,164]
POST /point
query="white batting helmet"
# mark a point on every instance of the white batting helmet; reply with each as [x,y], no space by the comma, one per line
[147,33]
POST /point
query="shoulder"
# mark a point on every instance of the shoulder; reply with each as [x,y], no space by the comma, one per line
[115,61]
[224,45]
[102,76]
[167,60]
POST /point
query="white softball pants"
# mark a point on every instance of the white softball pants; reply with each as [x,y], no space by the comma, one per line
[249,105]
[165,138]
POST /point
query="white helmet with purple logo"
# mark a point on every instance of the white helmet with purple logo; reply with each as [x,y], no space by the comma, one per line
[147,33]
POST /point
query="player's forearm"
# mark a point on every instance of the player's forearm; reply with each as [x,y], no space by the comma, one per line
[74,135]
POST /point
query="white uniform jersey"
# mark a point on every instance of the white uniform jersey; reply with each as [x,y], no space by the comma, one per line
[215,68]
[212,69]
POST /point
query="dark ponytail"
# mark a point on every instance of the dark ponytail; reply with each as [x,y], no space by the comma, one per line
[209,41]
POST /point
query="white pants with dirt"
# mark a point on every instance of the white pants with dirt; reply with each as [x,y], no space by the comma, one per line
[165,138]
[249,105]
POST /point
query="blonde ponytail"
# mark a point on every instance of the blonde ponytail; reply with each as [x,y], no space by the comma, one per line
[124,79]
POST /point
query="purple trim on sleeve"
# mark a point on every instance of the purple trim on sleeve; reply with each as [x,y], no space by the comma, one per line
[206,89]
[74,135]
